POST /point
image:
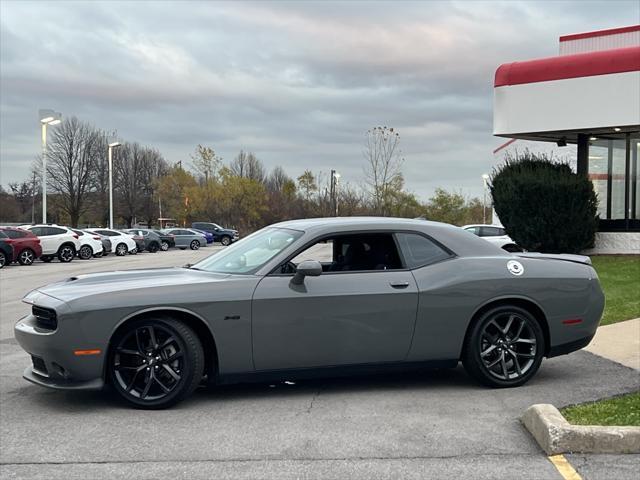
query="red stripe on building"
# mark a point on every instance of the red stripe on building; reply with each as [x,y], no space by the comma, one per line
[590,64]
[600,33]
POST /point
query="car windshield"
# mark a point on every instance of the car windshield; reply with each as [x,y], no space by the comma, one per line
[249,254]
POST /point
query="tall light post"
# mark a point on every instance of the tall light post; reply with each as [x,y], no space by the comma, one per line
[335,176]
[47,117]
[113,144]
[485,185]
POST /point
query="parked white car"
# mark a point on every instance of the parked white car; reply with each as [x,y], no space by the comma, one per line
[494,234]
[56,241]
[121,243]
[90,244]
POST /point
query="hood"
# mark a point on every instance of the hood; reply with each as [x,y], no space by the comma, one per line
[129,280]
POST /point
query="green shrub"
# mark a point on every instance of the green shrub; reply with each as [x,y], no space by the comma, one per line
[543,205]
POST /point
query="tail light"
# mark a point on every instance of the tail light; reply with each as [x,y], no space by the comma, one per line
[9,240]
[96,238]
[137,237]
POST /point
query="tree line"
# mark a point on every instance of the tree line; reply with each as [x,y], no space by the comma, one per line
[241,193]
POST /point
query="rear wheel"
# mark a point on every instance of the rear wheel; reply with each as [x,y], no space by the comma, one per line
[66,253]
[121,249]
[3,259]
[153,247]
[225,240]
[26,257]
[164,246]
[194,245]
[504,347]
[85,252]
[155,363]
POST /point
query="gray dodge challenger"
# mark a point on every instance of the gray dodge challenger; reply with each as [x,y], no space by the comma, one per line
[308,298]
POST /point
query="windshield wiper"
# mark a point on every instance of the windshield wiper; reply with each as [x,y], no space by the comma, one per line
[191,267]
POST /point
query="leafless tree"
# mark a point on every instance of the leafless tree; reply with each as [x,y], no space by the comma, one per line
[246,165]
[384,164]
[72,155]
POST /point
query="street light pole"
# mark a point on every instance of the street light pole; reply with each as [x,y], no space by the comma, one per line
[485,180]
[112,145]
[47,117]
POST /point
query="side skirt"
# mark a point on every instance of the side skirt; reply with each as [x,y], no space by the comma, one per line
[331,372]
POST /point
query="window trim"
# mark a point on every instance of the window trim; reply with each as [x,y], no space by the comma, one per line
[392,232]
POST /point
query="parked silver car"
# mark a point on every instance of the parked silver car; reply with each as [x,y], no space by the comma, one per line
[313,297]
[187,238]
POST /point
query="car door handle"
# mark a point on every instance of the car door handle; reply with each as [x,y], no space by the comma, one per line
[399,284]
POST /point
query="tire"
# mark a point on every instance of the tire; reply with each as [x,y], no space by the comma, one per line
[194,245]
[133,251]
[26,257]
[85,252]
[153,247]
[225,240]
[505,332]
[3,259]
[66,253]
[164,246]
[151,377]
[121,250]
[46,258]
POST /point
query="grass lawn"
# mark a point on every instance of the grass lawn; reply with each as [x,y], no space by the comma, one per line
[618,411]
[620,279]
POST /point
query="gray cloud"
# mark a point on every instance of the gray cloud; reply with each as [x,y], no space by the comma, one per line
[296,82]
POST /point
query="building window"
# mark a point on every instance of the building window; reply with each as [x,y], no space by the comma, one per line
[614,169]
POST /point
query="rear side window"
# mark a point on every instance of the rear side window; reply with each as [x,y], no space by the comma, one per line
[419,251]
[55,231]
[14,233]
[2,235]
[490,232]
[78,232]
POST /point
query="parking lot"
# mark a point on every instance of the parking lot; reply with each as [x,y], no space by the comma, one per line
[436,424]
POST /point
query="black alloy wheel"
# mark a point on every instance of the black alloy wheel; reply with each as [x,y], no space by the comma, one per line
[26,257]
[85,252]
[155,363]
[121,250]
[504,348]
[153,247]
[66,253]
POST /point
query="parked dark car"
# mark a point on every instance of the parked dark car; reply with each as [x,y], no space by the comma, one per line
[223,235]
[26,245]
[6,250]
[151,240]
[106,243]
[141,244]
[167,240]
[208,235]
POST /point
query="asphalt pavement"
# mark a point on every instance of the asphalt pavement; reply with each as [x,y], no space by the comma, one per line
[432,424]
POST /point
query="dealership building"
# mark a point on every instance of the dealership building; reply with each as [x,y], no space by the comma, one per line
[587,97]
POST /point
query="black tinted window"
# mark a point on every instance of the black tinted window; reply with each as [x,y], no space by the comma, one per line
[78,232]
[489,231]
[419,251]
[2,235]
[14,233]
[55,231]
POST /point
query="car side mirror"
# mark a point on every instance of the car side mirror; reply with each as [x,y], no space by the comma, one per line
[308,268]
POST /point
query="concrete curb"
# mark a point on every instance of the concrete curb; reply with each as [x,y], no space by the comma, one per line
[555,435]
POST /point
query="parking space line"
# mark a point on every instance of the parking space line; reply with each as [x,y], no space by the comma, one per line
[564,467]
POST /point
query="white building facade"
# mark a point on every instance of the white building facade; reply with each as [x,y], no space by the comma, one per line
[588,97]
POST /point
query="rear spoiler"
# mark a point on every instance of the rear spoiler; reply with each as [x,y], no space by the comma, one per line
[556,256]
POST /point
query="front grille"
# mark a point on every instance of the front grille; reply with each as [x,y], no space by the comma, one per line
[39,366]
[45,317]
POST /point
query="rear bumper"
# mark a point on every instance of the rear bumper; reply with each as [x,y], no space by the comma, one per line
[569,347]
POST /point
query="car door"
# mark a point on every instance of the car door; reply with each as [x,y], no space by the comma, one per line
[345,316]
[47,240]
[182,238]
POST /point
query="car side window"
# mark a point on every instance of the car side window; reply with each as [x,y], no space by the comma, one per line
[3,235]
[489,231]
[419,250]
[13,234]
[351,253]
[39,231]
[474,230]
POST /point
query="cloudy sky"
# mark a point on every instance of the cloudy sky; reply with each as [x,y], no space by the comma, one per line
[298,83]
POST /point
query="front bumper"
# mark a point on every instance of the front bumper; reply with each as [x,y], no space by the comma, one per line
[54,363]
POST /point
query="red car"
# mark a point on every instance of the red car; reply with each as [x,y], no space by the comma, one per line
[26,246]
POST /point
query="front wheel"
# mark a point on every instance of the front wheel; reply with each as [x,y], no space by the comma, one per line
[504,348]
[26,257]
[155,363]
[121,250]
[194,245]
[3,259]
[66,253]
[225,240]
[164,246]
[85,252]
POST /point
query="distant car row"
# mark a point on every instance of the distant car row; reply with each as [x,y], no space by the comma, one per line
[27,243]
